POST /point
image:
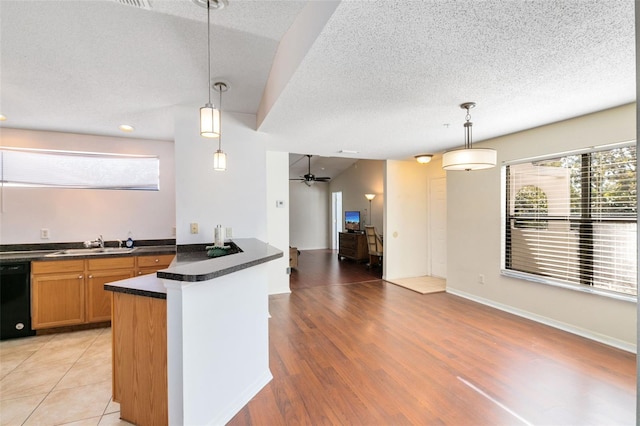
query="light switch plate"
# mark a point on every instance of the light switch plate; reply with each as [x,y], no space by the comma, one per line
[194,228]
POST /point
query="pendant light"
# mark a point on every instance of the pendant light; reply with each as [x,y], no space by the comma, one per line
[469,158]
[209,116]
[220,158]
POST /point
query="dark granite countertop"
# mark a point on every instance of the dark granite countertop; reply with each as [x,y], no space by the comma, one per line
[194,266]
[33,255]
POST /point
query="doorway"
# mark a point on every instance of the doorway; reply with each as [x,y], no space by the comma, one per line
[336,218]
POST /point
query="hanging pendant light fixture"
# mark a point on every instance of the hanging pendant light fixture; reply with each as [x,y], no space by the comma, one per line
[220,158]
[469,158]
[209,116]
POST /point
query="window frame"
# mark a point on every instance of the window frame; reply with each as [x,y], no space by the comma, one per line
[76,175]
[505,224]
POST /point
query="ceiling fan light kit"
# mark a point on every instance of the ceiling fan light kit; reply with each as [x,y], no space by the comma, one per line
[309,178]
[469,158]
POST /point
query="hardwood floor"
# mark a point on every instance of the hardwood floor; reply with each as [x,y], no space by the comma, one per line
[373,353]
[322,268]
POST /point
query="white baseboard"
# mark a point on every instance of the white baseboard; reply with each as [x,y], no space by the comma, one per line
[242,400]
[607,340]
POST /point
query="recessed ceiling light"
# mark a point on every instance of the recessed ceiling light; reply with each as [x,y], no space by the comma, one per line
[2,117]
[126,128]
[347,151]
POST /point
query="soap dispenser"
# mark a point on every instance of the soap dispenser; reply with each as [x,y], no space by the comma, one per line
[129,242]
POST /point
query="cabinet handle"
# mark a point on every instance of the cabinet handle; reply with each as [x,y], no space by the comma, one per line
[139,272]
[90,276]
[80,277]
[157,260]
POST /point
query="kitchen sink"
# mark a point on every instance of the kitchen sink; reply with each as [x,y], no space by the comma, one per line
[91,251]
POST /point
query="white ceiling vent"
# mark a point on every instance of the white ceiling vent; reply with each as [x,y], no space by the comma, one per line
[140,4]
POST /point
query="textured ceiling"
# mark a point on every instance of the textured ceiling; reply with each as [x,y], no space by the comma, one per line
[385,78]
[320,166]
[382,78]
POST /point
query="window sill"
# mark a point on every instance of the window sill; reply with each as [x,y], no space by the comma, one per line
[568,286]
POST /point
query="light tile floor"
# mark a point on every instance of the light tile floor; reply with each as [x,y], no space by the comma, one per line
[58,379]
[423,285]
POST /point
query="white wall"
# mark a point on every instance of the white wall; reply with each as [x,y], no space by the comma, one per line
[475,228]
[278,219]
[363,177]
[309,215]
[73,215]
[234,198]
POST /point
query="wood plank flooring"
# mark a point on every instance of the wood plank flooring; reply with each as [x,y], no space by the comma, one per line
[322,268]
[372,353]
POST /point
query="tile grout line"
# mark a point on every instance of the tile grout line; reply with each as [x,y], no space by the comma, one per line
[58,382]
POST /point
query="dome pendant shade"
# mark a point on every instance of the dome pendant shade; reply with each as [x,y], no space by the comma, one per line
[219,161]
[469,159]
[209,121]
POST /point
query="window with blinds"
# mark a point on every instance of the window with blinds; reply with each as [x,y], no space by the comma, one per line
[22,167]
[572,220]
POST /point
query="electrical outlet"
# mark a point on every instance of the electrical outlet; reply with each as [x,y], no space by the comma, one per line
[229,232]
[480,279]
[194,228]
[280,204]
[173,231]
[44,234]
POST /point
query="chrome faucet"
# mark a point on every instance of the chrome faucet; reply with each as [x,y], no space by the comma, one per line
[99,242]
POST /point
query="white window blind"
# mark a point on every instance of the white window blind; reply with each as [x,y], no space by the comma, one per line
[66,169]
[572,219]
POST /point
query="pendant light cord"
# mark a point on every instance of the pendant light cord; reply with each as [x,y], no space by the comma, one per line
[220,115]
[467,130]
[209,48]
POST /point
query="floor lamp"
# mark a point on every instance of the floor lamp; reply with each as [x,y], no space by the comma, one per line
[370,197]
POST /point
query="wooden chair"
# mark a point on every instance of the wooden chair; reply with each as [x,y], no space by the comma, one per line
[375,246]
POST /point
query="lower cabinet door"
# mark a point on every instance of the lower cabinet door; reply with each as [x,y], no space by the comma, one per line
[57,300]
[99,300]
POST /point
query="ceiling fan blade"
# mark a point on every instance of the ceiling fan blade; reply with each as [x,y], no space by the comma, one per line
[322,178]
[296,179]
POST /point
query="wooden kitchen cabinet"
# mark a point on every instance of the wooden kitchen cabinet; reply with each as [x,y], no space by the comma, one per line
[71,292]
[99,272]
[57,294]
[152,264]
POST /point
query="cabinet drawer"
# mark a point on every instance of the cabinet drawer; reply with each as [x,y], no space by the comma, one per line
[57,266]
[162,260]
[111,263]
[347,252]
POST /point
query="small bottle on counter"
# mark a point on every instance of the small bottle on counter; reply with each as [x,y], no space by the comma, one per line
[129,242]
[218,236]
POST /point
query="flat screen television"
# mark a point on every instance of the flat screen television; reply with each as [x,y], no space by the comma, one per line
[352,221]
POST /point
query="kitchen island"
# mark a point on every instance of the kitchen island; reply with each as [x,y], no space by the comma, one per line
[191,344]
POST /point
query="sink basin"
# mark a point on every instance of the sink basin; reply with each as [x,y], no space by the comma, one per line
[91,251]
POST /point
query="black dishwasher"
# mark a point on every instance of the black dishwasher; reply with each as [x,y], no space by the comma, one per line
[15,300]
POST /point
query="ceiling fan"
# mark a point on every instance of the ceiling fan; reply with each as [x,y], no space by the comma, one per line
[309,179]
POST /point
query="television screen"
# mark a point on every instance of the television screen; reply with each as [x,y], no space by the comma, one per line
[352,220]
